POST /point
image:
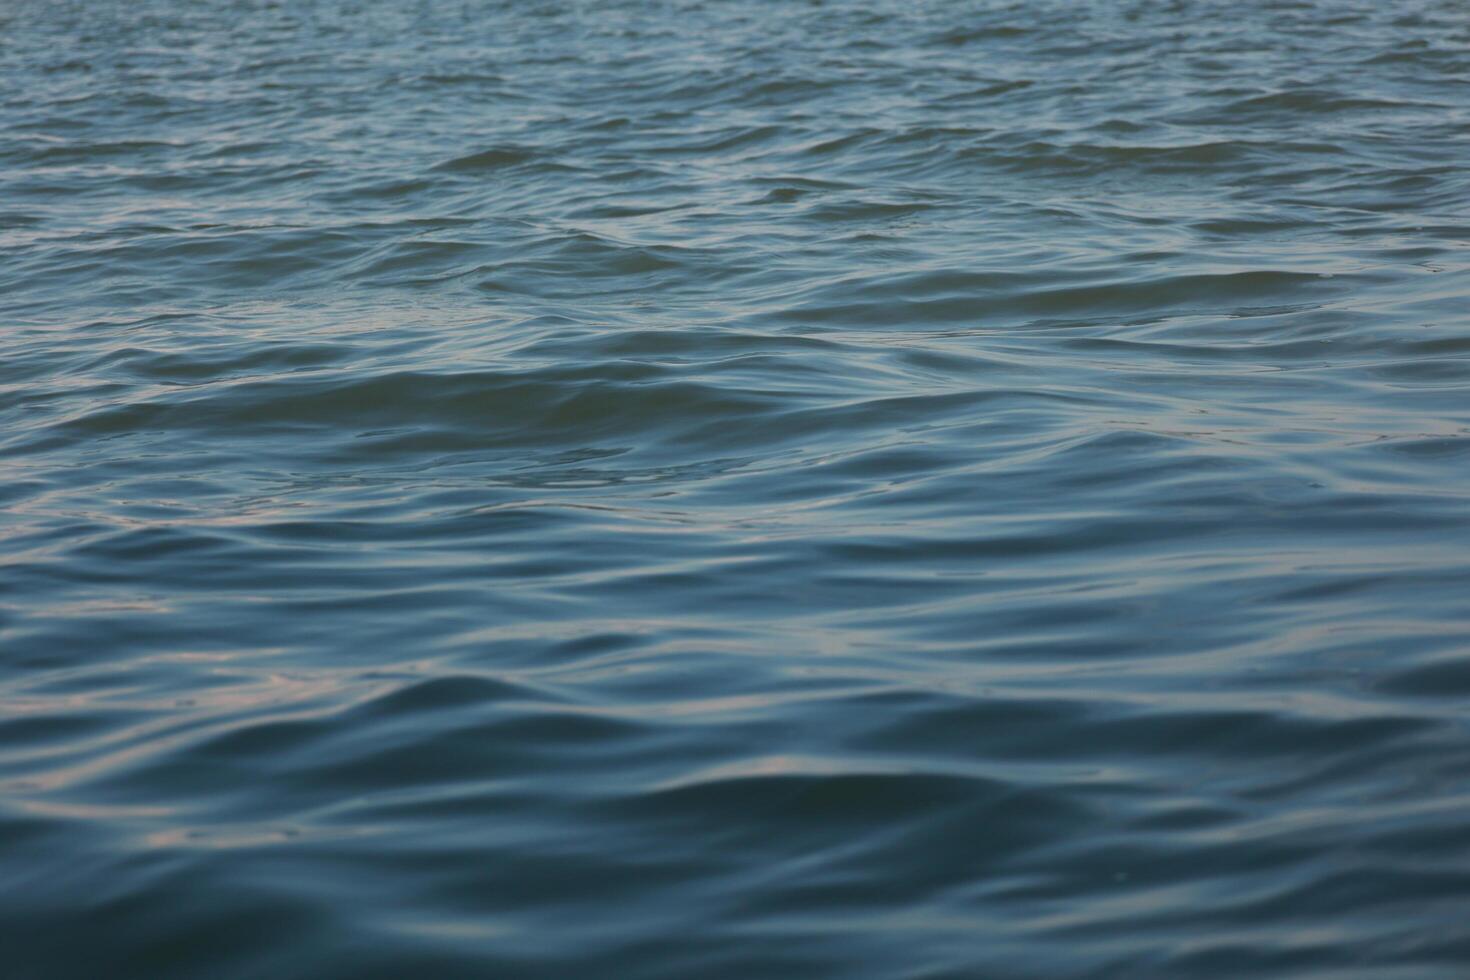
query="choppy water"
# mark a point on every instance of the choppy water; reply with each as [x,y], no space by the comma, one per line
[735,489]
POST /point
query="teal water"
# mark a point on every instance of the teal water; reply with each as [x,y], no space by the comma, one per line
[734,489]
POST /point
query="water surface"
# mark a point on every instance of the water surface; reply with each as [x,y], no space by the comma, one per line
[734,489]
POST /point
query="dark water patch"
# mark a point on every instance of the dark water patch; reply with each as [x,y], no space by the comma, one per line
[492,159]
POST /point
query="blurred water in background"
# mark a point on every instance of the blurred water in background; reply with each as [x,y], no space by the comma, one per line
[735,488]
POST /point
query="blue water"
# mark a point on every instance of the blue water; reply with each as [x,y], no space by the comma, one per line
[734,489]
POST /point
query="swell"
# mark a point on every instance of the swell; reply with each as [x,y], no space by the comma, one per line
[673,489]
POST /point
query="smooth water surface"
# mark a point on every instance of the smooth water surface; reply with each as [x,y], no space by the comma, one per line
[734,489]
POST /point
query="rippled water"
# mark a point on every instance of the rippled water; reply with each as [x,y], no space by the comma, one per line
[735,489]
